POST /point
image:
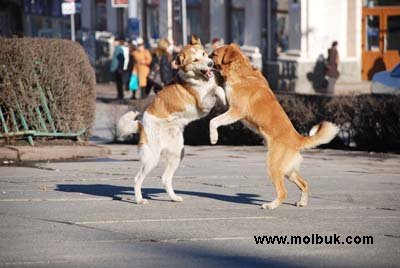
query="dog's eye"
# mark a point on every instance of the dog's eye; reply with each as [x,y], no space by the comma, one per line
[204,54]
[195,60]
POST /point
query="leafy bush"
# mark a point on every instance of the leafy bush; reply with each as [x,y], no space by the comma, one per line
[368,122]
[63,72]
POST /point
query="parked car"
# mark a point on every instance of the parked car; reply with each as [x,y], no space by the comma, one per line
[386,82]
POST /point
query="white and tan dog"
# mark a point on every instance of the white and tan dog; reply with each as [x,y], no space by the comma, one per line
[161,128]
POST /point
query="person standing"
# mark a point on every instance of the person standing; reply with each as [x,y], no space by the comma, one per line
[117,67]
[143,59]
[126,72]
[163,58]
[332,67]
[133,83]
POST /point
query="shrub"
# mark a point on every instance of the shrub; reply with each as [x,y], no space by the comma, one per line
[63,72]
[368,122]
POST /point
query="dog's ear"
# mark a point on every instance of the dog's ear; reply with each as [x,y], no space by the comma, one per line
[180,59]
[195,40]
[231,54]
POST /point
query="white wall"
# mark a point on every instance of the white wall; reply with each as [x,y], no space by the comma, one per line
[327,21]
[313,26]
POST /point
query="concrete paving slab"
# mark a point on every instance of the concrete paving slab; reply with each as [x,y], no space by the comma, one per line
[55,152]
[7,153]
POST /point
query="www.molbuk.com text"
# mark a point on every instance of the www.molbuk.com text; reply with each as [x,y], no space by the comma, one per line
[313,239]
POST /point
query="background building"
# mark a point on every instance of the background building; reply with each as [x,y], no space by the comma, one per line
[291,34]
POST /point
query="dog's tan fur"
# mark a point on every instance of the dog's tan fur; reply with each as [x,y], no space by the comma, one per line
[172,99]
[252,101]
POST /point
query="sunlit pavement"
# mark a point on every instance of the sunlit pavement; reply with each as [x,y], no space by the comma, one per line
[82,213]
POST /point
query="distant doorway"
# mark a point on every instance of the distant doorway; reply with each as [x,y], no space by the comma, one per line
[10,20]
[380,39]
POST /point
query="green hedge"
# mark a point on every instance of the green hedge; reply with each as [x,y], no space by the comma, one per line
[62,70]
[368,122]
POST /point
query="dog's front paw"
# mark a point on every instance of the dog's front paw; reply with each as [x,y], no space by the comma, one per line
[271,205]
[177,199]
[301,204]
[303,200]
[142,201]
[213,136]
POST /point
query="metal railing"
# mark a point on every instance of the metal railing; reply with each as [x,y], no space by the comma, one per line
[39,123]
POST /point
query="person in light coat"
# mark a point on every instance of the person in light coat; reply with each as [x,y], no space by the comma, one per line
[142,57]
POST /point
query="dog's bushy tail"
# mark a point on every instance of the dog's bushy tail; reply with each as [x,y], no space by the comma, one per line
[320,134]
[128,124]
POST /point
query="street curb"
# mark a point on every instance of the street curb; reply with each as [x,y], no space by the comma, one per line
[57,152]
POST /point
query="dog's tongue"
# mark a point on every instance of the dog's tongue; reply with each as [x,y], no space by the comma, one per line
[208,74]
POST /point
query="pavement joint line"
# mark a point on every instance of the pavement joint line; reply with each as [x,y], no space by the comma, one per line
[66,180]
[176,220]
[174,240]
[55,200]
[19,263]
[83,223]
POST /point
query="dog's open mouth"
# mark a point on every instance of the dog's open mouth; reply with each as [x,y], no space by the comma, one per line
[207,73]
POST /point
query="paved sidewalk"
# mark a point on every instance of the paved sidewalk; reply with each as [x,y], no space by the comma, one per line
[52,152]
[82,214]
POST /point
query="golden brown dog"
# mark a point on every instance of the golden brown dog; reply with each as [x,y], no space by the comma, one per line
[252,101]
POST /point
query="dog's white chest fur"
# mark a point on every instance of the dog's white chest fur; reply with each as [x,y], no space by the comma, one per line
[228,91]
[207,92]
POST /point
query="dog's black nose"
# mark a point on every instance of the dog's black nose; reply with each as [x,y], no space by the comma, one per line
[210,64]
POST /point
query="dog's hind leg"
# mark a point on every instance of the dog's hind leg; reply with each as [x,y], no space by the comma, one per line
[173,155]
[279,162]
[278,179]
[303,186]
[149,160]
[173,161]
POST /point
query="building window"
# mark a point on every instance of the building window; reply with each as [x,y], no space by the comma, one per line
[237,16]
[100,15]
[152,19]
[194,17]
[282,16]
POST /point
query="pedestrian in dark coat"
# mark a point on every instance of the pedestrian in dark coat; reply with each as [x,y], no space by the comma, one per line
[117,67]
[164,57]
[332,67]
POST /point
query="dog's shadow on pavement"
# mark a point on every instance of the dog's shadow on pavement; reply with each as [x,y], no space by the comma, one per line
[115,191]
